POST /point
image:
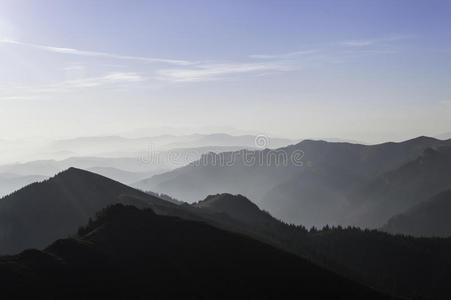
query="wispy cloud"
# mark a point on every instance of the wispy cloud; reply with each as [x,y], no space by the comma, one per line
[208,72]
[116,79]
[175,70]
[283,55]
[369,42]
[111,78]
[71,51]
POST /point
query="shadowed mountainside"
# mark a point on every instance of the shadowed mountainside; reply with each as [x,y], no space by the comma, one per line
[52,209]
[427,219]
[386,262]
[323,190]
[401,189]
[126,252]
[12,182]
[42,212]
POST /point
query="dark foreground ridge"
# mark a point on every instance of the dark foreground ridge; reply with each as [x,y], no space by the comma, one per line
[389,263]
[130,253]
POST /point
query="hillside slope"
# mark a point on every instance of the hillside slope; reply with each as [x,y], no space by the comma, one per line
[386,262]
[313,193]
[128,253]
[12,182]
[427,219]
[42,212]
[401,189]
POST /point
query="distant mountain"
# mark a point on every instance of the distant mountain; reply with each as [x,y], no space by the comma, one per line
[142,164]
[396,191]
[55,208]
[120,175]
[121,146]
[316,192]
[51,167]
[237,206]
[12,182]
[130,253]
[42,212]
[444,136]
[221,139]
[427,219]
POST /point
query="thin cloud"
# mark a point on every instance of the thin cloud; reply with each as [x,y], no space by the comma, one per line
[283,55]
[369,42]
[369,52]
[111,78]
[71,51]
[116,79]
[215,71]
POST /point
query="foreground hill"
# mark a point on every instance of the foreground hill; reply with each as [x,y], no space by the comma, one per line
[429,218]
[314,193]
[386,262]
[52,209]
[42,212]
[126,253]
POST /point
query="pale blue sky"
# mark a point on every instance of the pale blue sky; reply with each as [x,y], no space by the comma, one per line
[363,70]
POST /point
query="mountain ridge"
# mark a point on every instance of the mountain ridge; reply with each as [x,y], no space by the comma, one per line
[42,212]
[127,252]
[426,219]
[325,185]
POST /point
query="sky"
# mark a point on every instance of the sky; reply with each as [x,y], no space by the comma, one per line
[364,70]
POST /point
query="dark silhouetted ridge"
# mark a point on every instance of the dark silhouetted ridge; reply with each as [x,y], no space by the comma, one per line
[237,206]
[129,253]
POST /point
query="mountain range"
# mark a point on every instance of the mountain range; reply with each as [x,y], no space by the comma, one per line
[335,183]
[113,146]
[125,252]
[12,182]
[429,218]
[41,213]
[127,160]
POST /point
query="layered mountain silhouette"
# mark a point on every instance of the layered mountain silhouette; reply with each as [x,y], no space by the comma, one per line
[52,167]
[333,185]
[429,218]
[12,182]
[127,253]
[123,146]
[386,262]
[42,212]
[125,167]
[236,206]
[122,176]
[399,190]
